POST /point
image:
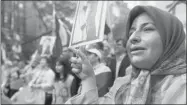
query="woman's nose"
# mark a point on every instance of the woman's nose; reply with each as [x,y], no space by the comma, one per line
[134,39]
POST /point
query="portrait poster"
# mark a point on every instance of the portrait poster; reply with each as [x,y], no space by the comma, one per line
[47,44]
[89,23]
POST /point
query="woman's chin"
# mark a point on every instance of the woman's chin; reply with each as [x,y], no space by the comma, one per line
[140,63]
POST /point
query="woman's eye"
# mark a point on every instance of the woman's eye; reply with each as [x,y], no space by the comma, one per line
[148,29]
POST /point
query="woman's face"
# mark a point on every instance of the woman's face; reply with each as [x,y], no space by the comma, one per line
[59,67]
[43,62]
[144,45]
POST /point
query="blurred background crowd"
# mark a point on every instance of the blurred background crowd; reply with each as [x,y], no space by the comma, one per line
[23,23]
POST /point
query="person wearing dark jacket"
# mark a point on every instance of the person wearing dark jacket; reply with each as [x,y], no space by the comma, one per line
[122,59]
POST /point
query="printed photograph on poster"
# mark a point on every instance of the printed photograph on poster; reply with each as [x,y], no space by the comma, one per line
[89,23]
[47,43]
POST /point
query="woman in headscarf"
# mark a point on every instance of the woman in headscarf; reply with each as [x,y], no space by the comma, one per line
[157,74]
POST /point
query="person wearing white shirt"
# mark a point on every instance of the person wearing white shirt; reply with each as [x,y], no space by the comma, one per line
[102,72]
[44,79]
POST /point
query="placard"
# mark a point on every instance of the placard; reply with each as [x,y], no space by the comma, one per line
[47,44]
[89,23]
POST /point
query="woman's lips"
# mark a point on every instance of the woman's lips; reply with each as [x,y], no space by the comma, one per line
[136,50]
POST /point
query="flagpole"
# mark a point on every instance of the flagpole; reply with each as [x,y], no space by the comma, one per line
[54,13]
[75,19]
[12,18]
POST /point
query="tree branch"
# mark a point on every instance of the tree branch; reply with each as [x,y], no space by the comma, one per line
[39,14]
[173,5]
[46,33]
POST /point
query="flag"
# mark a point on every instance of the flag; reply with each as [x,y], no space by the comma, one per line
[57,50]
[64,33]
[62,37]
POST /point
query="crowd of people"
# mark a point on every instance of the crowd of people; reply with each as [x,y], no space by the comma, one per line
[157,72]
[55,78]
[147,66]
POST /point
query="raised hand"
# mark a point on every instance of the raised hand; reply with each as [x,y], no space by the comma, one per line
[84,70]
[81,65]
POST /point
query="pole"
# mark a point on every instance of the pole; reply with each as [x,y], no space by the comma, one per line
[53,21]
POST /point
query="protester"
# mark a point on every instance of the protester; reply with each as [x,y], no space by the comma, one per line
[102,72]
[109,59]
[64,79]
[45,79]
[29,70]
[76,81]
[99,46]
[4,98]
[4,79]
[11,81]
[122,60]
[157,74]
[40,86]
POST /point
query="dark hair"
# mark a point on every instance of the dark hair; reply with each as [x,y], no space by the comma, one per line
[64,61]
[99,46]
[107,29]
[124,41]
